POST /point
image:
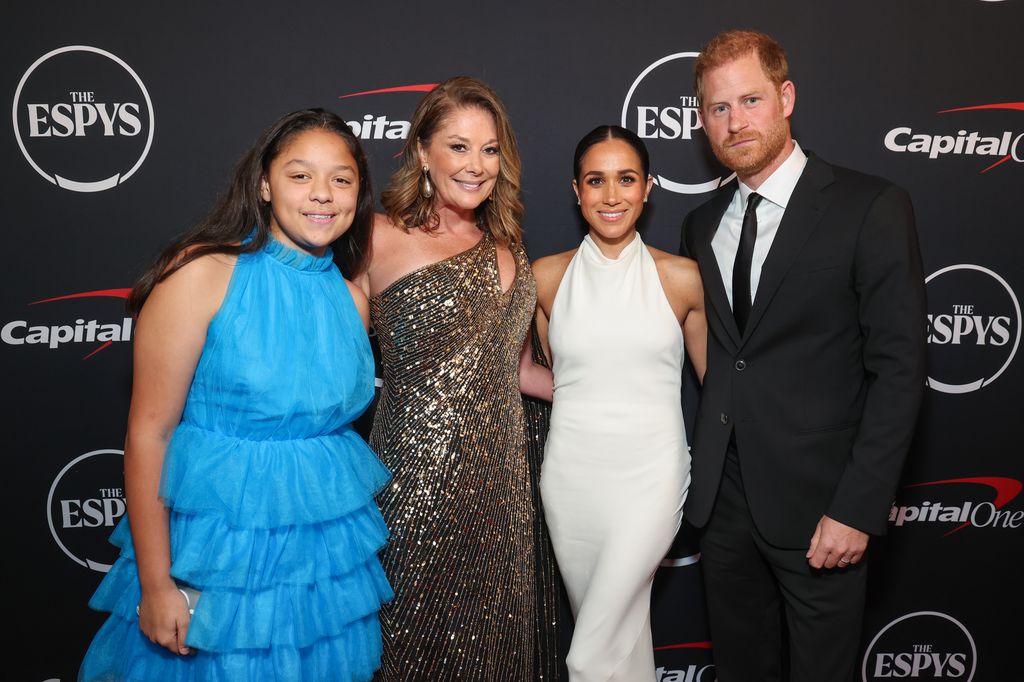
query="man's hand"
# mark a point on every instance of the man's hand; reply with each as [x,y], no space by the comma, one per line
[836,544]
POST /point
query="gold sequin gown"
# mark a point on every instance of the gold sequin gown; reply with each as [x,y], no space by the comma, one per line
[449,425]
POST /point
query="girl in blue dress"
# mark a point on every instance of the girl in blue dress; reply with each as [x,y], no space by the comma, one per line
[250,551]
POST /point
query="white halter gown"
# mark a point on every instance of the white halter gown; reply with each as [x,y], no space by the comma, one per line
[616,465]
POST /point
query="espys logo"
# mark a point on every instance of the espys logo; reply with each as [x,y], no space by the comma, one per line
[83,118]
[960,512]
[998,146]
[663,111]
[379,126]
[52,336]
[926,645]
[974,326]
[86,499]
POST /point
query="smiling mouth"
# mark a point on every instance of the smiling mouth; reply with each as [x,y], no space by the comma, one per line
[469,186]
[323,218]
[611,216]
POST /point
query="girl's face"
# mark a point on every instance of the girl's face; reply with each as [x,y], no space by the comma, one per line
[611,189]
[313,190]
[463,158]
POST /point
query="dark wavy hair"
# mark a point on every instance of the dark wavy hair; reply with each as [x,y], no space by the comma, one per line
[241,210]
[502,212]
[611,132]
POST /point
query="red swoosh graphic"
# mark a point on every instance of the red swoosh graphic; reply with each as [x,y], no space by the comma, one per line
[423,87]
[1006,489]
[99,293]
[97,350]
[1016,106]
[1002,160]
[686,645]
[1013,106]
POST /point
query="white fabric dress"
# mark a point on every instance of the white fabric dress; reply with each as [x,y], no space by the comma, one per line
[616,466]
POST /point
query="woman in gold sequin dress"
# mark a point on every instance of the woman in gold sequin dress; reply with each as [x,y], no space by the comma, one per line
[451,299]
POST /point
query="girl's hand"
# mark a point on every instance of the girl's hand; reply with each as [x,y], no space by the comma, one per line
[164,619]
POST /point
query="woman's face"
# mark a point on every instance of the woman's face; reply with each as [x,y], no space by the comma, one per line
[611,189]
[313,190]
[463,158]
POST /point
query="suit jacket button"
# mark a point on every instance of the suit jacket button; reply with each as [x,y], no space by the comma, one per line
[740,365]
[724,418]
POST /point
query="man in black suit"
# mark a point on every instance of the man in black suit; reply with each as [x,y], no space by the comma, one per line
[816,347]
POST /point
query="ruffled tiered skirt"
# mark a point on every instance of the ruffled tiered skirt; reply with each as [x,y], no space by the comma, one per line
[281,539]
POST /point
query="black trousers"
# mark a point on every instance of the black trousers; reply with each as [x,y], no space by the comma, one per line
[753,588]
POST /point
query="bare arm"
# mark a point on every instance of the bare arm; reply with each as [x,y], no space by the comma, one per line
[695,323]
[168,342]
[535,380]
[362,305]
[680,279]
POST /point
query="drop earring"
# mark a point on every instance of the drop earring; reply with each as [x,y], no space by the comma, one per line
[426,188]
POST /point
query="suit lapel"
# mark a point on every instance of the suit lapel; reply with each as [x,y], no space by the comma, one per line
[714,286]
[803,213]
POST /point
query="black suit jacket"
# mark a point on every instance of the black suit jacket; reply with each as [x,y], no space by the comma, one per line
[823,388]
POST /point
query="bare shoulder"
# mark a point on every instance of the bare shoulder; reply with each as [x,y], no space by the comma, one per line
[548,271]
[553,266]
[384,230]
[211,270]
[675,269]
[680,279]
[362,304]
[197,288]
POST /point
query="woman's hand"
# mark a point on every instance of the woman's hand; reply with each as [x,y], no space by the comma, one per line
[164,617]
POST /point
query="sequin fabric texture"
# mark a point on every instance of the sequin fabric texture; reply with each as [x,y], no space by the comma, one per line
[552,602]
[450,427]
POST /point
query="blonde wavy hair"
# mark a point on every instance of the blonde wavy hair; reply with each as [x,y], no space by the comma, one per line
[501,213]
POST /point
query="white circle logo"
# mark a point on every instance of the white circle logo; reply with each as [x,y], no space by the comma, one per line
[974,327]
[83,118]
[925,645]
[663,116]
[85,502]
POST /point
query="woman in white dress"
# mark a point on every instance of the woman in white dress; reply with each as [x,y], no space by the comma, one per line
[616,467]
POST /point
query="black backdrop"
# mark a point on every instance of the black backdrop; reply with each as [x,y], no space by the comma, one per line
[925,92]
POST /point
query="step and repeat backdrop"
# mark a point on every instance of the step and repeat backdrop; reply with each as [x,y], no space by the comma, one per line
[126,118]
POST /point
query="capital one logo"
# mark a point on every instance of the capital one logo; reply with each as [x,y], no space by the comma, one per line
[83,118]
[957,504]
[21,333]
[925,645]
[661,108]
[382,123]
[999,146]
[85,502]
[974,327]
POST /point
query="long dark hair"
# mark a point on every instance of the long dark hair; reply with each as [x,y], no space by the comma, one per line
[611,132]
[241,210]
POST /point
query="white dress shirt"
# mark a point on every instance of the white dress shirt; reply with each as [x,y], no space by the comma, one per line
[776,190]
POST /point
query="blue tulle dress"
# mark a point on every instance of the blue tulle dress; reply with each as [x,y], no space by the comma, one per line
[270,492]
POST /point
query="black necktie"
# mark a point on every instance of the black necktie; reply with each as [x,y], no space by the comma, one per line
[741,298]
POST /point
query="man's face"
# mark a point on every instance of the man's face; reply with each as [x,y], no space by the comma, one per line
[746,117]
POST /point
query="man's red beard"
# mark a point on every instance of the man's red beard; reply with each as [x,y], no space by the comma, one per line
[754,157]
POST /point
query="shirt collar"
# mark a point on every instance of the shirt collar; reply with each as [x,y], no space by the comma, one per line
[779,186]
